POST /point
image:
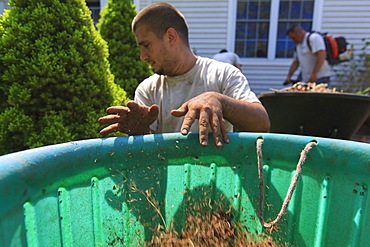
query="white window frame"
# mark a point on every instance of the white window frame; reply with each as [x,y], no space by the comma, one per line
[274,18]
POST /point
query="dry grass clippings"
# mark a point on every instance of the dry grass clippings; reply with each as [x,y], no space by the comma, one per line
[308,87]
[205,228]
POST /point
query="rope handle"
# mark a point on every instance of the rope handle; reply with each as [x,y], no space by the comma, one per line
[292,186]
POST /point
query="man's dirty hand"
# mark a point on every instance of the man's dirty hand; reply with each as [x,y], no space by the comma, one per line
[132,119]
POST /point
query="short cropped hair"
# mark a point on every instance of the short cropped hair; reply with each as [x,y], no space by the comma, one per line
[159,17]
[293,29]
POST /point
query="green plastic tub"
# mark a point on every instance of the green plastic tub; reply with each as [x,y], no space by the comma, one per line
[103,192]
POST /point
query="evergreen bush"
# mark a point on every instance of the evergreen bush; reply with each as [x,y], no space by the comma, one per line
[124,54]
[55,75]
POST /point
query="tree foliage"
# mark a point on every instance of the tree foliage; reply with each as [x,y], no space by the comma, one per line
[55,75]
[124,54]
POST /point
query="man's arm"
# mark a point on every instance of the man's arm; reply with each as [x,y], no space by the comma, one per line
[320,58]
[293,67]
[245,116]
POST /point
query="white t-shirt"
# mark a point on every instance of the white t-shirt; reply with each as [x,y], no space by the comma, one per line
[227,57]
[170,93]
[307,57]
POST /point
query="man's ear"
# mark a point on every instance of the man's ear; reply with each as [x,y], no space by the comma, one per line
[172,36]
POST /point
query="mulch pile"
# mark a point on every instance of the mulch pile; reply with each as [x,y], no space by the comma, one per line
[206,228]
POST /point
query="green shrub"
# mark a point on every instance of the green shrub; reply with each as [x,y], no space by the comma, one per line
[55,75]
[124,54]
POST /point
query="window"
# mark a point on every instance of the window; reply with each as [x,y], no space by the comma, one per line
[94,6]
[253,26]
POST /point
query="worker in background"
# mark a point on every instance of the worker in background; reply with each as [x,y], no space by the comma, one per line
[228,57]
[310,58]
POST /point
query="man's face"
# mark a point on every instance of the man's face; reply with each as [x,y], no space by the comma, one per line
[154,51]
[296,37]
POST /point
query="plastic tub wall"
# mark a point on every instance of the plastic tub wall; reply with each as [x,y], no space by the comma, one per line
[101,192]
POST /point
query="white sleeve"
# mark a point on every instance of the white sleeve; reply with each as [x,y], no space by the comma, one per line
[237,87]
[317,42]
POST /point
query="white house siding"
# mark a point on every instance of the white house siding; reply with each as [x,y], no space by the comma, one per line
[263,75]
[350,19]
[3,5]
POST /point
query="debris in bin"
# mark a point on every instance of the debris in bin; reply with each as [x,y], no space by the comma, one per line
[308,86]
[207,226]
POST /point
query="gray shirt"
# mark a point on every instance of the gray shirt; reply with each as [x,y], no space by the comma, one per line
[170,93]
